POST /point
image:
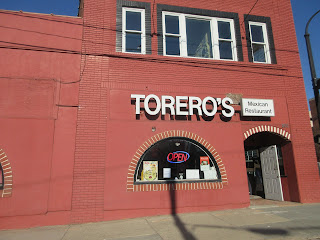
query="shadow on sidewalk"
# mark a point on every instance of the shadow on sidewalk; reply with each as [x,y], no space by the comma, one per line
[187,235]
[180,225]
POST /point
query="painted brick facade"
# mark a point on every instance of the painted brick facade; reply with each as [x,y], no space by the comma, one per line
[39,74]
[94,144]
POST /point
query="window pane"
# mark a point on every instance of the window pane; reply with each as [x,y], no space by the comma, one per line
[225,50]
[258,53]
[172,24]
[133,42]
[173,158]
[199,38]
[1,177]
[133,21]
[257,34]
[172,45]
[224,30]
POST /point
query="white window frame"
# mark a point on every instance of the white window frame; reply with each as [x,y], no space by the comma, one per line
[125,31]
[232,40]
[265,43]
[214,35]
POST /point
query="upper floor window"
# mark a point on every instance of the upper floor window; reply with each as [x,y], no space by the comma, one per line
[259,42]
[133,30]
[189,35]
[133,27]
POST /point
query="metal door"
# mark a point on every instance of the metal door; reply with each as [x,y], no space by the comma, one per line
[271,173]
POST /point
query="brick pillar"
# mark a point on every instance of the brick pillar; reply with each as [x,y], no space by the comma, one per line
[90,152]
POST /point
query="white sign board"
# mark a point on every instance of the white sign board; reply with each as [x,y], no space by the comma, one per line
[257,107]
[192,174]
[166,172]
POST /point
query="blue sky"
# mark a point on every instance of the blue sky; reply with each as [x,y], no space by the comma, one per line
[302,11]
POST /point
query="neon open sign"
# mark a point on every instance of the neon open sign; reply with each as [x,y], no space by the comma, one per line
[178,157]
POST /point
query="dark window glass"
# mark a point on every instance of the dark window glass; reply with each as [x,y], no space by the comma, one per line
[133,42]
[257,34]
[258,53]
[224,30]
[172,45]
[1,177]
[199,42]
[133,21]
[225,50]
[280,160]
[172,24]
[174,159]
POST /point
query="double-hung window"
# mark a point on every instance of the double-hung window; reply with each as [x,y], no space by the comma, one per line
[259,42]
[133,30]
[189,35]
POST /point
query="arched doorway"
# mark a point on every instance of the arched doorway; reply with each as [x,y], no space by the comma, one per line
[270,166]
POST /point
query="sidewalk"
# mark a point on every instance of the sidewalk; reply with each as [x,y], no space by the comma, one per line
[263,220]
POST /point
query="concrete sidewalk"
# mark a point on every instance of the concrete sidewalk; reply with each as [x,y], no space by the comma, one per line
[263,220]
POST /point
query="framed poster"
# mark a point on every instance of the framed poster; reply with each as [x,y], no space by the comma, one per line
[204,161]
[150,170]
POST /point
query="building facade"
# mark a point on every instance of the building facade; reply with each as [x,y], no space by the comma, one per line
[140,108]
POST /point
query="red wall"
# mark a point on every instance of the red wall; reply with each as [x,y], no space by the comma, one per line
[36,134]
[110,134]
[85,152]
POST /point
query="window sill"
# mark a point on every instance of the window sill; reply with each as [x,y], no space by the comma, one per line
[176,181]
[197,61]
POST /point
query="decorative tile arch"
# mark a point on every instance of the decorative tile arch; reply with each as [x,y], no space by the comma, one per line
[174,186]
[7,173]
[266,128]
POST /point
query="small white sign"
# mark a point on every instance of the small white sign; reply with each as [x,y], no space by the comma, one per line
[204,167]
[210,174]
[192,174]
[166,172]
[257,107]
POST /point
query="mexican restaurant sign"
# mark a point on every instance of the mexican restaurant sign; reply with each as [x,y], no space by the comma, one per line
[183,105]
[257,107]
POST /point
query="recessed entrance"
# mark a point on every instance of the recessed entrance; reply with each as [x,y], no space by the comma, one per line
[266,165]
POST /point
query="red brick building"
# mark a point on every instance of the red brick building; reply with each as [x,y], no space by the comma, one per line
[140,108]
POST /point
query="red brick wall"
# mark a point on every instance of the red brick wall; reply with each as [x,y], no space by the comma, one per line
[88,160]
[90,155]
[108,118]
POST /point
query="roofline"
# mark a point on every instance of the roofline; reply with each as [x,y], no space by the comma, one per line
[80,8]
[34,13]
